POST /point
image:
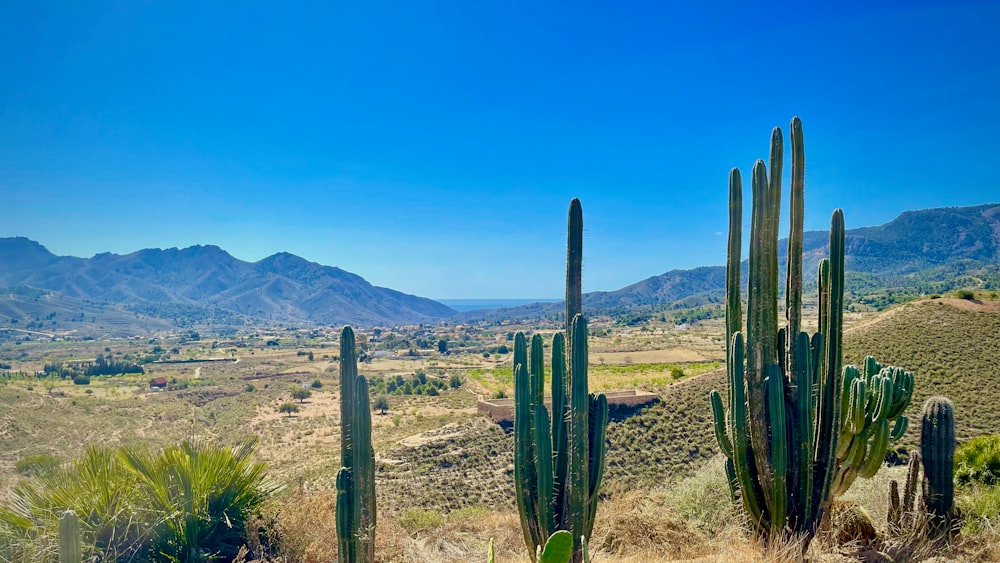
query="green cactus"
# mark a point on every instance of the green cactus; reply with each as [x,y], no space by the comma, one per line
[558,549]
[778,429]
[355,513]
[797,427]
[69,538]
[558,458]
[937,450]
[872,403]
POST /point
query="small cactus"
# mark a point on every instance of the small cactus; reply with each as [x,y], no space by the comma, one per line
[937,448]
[69,538]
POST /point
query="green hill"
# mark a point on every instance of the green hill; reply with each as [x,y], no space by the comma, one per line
[953,348]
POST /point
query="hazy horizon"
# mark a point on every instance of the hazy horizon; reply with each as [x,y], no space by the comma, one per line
[434,150]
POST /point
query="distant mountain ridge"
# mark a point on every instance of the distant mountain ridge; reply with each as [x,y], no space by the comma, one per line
[915,247]
[165,283]
[205,284]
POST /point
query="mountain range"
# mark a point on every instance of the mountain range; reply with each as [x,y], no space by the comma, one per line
[204,285]
[925,250]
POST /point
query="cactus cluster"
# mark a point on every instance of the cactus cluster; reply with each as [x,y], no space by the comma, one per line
[797,428]
[781,427]
[355,513]
[558,456]
[873,399]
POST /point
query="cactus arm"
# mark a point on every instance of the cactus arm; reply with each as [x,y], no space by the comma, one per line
[559,432]
[363,473]
[348,373]
[796,208]
[574,266]
[346,538]
[543,471]
[536,369]
[779,446]
[761,321]
[900,428]
[734,307]
[876,453]
[719,419]
[739,417]
[579,469]
[524,478]
[598,427]
[803,378]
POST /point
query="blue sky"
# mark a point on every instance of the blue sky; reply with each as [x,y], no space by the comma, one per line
[433,147]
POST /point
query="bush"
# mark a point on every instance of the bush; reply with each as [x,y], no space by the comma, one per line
[39,464]
[317,384]
[416,520]
[81,380]
[186,503]
[978,460]
[964,294]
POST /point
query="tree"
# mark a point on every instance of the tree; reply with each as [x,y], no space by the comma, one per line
[311,357]
[382,404]
[288,408]
[300,394]
[443,346]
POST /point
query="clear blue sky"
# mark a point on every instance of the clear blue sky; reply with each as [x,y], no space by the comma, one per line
[433,147]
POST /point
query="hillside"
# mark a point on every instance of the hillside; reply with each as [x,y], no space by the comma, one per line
[919,252]
[951,346]
[199,284]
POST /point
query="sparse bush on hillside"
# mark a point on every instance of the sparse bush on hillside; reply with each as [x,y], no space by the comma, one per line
[965,294]
[39,464]
[978,461]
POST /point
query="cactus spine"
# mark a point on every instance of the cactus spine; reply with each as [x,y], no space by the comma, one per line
[780,428]
[69,538]
[559,458]
[355,512]
[937,448]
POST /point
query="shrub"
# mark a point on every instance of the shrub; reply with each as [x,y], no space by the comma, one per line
[455,382]
[964,294]
[978,460]
[39,464]
[416,520]
[81,380]
[186,503]
[317,384]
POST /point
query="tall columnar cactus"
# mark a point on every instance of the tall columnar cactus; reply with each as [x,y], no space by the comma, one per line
[937,449]
[355,514]
[798,427]
[558,458]
[781,428]
[873,399]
